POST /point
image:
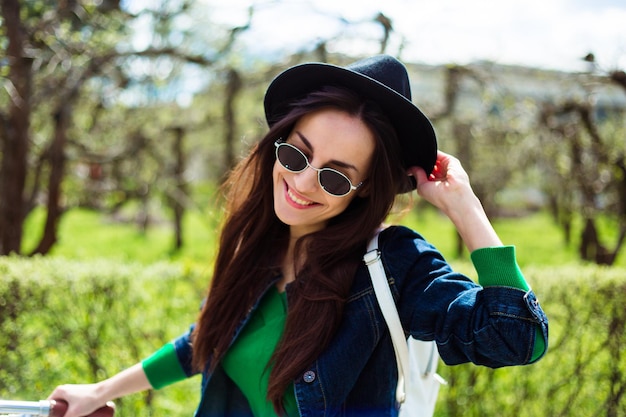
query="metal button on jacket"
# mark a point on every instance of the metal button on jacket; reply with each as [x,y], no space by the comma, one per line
[309,376]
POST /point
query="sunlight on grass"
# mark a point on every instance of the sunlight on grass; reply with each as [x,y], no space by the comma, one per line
[537,238]
[85,234]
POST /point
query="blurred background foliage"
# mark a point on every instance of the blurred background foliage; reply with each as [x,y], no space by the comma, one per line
[118,125]
[104,108]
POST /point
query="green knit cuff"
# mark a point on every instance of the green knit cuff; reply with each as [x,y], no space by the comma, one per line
[497,266]
[162,368]
[540,345]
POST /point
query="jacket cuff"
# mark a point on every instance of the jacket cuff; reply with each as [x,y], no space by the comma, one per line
[162,368]
[497,266]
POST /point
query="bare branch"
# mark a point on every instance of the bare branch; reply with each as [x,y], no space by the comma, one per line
[387,25]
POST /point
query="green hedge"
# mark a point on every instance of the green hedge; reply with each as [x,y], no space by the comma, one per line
[584,371]
[73,322]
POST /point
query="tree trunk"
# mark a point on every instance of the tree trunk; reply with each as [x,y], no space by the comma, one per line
[233,87]
[14,136]
[180,191]
[56,157]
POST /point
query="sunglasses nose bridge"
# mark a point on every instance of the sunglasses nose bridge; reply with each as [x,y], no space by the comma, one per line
[307,179]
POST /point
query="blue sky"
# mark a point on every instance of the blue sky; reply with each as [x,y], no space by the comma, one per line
[553,34]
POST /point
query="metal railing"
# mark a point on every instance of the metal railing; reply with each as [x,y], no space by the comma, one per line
[46,408]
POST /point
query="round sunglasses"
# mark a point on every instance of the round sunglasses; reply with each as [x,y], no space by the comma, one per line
[332,181]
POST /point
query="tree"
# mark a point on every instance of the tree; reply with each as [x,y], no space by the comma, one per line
[14,129]
[29,33]
[69,64]
[475,123]
[592,175]
[586,140]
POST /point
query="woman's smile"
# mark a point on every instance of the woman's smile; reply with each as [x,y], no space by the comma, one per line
[297,200]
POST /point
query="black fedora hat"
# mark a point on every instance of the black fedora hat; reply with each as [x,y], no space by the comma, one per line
[381,78]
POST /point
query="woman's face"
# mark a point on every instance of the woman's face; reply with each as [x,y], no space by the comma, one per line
[329,138]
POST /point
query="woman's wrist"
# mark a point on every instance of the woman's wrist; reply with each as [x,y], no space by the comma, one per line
[105,391]
[129,381]
[472,223]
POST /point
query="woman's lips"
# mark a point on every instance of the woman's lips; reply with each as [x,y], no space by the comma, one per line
[295,199]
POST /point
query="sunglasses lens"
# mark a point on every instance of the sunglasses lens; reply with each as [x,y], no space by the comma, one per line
[291,158]
[334,182]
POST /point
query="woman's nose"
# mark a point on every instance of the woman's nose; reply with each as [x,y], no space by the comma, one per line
[306,181]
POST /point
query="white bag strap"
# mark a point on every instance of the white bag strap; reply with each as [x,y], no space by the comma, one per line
[388,307]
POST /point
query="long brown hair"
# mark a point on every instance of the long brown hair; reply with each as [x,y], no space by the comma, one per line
[253,242]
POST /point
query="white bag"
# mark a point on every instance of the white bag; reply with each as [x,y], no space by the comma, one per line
[418,381]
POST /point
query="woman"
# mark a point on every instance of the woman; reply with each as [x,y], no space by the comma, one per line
[290,325]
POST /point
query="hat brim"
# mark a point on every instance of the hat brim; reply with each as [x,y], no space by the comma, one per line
[415,132]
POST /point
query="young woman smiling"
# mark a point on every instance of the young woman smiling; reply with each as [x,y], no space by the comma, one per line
[290,325]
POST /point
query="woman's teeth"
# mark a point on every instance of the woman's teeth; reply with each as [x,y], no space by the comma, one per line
[297,200]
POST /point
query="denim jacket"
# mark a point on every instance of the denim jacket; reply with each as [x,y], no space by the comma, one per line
[356,375]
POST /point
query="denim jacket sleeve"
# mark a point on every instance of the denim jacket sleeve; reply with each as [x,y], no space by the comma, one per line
[492,326]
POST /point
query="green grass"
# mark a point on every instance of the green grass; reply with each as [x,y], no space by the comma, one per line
[537,239]
[85,234]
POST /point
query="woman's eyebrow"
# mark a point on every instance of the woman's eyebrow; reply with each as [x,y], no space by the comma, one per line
[340,164]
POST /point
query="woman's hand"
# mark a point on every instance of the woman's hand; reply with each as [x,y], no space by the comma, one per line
[448,188]
[82,399]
